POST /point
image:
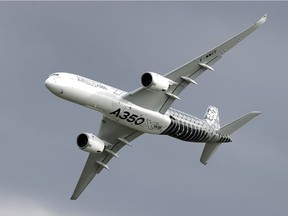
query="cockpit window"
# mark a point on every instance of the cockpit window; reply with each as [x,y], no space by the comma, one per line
[54,74]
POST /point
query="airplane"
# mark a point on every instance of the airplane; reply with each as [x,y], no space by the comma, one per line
[128,115]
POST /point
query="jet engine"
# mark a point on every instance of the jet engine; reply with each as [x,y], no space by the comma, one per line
[90,143]
[156,82]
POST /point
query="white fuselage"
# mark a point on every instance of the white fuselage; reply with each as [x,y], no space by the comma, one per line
[110,102]
[107,100]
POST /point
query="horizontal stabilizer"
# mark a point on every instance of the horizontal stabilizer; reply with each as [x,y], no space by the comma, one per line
[209,150]
[235,125]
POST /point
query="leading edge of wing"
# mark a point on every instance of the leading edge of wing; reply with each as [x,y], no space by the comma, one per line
[110,132]
[161,102]
[219,50]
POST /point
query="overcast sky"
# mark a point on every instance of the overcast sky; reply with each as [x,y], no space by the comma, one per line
[115,43]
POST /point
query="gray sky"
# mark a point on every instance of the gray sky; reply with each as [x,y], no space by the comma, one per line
[115,43]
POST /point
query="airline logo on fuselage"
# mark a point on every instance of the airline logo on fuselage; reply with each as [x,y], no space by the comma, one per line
[91,83]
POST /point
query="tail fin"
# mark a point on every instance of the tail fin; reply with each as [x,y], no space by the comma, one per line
[212,117]
[210,148]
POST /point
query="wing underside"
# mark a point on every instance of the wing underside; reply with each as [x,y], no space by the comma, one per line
[161,101]
[116,136]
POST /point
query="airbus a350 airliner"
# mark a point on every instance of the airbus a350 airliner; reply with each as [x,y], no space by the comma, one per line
[127,115]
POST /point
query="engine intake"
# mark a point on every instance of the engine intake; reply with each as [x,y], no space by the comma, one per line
[90,143]
[155,81]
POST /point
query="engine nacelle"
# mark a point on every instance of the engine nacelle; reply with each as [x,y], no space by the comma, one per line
[90,143]
[156,82]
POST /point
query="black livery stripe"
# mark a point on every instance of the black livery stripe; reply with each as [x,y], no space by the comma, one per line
[180,130]
[189,131]
[186,131]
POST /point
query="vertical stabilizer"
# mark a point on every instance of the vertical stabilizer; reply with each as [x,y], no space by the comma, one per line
[212,117]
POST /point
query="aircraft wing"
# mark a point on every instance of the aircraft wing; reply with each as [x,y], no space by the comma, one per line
[161,101]
[116,136]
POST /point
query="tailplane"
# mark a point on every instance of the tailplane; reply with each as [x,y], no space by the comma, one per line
[235,125]
[210,148]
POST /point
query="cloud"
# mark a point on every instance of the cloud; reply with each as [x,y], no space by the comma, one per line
[15,205]
[18,205]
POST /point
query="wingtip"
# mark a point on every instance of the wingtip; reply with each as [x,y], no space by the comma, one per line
[203,162]
[73,198]
[262,20]
[256,112]
[75,195]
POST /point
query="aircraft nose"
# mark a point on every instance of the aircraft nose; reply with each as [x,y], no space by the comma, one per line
[51,84]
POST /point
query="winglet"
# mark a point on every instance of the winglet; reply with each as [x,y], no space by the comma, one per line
[261,21]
